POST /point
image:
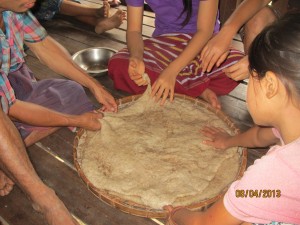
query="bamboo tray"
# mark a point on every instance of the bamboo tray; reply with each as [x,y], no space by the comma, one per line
[142,210]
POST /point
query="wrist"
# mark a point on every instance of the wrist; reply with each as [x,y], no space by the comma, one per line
[136,56]
[228,31]
[174,69]
[70,121]
[75,121]
[93,85]
[230,142]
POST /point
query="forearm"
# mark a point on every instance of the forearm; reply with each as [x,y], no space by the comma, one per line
[254,137]
[134,37]
[135,44]
[56,57]
[206,20]
[241,15]
[37,115]
[193,48]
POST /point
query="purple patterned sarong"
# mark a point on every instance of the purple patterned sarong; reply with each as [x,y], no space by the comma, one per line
[64,96]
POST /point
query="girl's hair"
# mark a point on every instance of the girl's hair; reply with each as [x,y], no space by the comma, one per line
[187,8]
[277,49]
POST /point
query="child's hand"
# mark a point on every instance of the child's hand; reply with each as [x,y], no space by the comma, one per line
[163,87]
[238,71]
[216,50]
[136,69]
[217,137]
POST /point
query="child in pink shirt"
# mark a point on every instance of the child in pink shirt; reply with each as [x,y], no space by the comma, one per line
[268,193]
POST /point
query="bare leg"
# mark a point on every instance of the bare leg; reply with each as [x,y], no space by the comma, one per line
[15,163]
[36,136]
[211,97]
[254,26]
[99,18]
[103,24]
[71,8]
[260,20]
[111,22]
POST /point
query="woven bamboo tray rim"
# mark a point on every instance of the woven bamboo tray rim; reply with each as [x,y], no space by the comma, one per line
[136,209]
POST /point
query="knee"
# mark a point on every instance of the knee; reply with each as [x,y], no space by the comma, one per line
[118,67]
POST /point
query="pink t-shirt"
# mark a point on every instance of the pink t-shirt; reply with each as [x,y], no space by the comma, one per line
[270,188]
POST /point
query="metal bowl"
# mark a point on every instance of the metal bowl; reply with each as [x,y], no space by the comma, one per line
[94,60]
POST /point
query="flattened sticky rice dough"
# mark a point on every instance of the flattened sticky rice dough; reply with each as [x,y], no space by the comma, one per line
[154,155]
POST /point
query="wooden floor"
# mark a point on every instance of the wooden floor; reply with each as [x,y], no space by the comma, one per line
[52,157]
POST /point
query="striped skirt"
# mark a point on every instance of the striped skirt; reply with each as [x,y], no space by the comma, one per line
[158,53]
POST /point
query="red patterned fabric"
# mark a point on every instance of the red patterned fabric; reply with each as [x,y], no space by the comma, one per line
[158,53]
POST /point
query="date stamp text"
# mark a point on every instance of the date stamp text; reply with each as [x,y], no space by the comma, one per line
[263,193]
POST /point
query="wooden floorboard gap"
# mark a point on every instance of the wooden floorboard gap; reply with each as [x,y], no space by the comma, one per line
[70,165]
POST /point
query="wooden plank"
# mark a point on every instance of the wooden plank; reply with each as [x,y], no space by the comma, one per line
[240,91]
[39,70]
[237,44]
[118,34]
[60,144]
[16,209]
[237,110]
[62,29]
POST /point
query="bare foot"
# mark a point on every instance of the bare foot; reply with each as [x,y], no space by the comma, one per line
[211,97]
[104,10]
[53,210]
[6,184]
[111,22]
[114,3]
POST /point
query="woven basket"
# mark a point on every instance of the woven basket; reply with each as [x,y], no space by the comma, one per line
[145,211]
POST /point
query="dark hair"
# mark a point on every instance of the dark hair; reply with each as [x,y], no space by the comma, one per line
[277,49]
[187,9]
